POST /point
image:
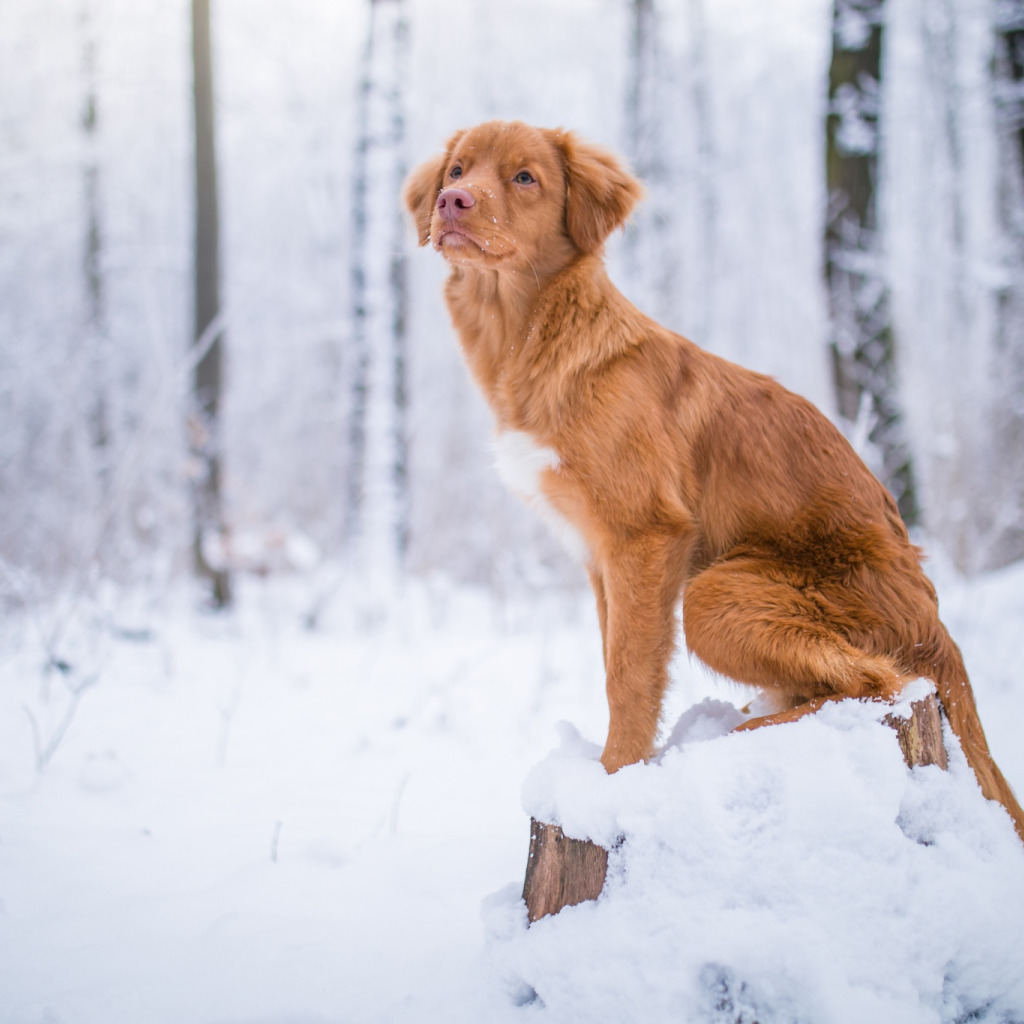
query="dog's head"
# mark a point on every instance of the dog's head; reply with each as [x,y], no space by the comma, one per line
[505,194]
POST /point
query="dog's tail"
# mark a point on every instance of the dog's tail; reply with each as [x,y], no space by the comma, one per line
[957,699]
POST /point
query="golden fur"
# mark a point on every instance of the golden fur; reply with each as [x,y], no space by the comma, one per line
[685,475]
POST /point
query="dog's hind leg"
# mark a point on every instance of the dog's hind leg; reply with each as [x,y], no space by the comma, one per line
[809,707]
[744,619]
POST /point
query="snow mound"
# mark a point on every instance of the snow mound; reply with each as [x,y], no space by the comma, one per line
[799,873]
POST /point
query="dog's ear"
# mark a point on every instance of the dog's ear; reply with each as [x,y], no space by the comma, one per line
[600,192]
[422,187]
[420,194]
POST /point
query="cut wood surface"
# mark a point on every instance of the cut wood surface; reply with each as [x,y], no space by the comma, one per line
[562,871]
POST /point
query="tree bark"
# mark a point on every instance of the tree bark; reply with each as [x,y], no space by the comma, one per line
[862,343]
[1006,542]
[377,498]
[205,433]
[562,871]
[651,258]
[95,328]
[920,735]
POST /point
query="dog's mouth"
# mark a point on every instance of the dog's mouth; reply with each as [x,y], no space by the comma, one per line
[455,240]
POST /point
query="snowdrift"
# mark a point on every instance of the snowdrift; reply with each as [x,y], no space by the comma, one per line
[248,821]
[796,873]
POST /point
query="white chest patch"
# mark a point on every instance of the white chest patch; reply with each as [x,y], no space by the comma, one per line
[521,461]
[522,465]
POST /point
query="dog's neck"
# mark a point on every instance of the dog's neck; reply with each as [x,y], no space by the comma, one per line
[492,311]
[507,323]
[489,305]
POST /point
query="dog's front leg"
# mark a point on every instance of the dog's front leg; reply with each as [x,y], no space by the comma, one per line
[597,585]
[640,583]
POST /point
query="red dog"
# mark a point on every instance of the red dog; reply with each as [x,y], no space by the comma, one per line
[672,473]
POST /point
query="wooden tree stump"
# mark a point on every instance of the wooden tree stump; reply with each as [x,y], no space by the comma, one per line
[920,735]
[562,871]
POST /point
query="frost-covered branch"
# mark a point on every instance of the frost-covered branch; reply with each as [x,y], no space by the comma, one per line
[44,751]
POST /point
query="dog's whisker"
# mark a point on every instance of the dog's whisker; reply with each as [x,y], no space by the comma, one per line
[533,267]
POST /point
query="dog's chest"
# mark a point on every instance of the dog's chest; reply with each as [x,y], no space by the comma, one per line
[522,465]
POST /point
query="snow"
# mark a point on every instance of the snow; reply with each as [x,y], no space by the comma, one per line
[314,809]
[249,821]
[801,872]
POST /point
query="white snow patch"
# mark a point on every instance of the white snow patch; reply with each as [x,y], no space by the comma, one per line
[248,820]
[795,873]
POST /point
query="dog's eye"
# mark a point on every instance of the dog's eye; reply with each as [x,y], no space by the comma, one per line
[524,178]
[455,172]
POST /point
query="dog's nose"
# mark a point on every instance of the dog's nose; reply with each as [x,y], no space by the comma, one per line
[452,201]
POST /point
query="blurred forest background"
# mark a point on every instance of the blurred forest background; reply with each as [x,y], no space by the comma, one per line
[220,349]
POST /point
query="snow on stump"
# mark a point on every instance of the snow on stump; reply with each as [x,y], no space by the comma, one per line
[562,871]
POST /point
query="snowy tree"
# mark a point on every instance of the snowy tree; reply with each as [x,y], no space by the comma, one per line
[1006,543]
[651,258]
[204,423]
[95,340]
[952,200]
[377,499]
[859,303]
[337,362]
[670,253]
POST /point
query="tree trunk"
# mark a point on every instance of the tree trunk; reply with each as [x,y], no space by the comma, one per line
[651,256]
[99,418]
[562,871]
[377,503]
[862,337]
[205,432]
[1006,543]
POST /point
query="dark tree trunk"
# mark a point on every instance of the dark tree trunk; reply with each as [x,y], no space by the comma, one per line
[1007,542]
[1009,69]
[205,426]
[863,346]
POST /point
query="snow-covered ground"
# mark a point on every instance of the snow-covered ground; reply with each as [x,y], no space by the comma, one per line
[249,821]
